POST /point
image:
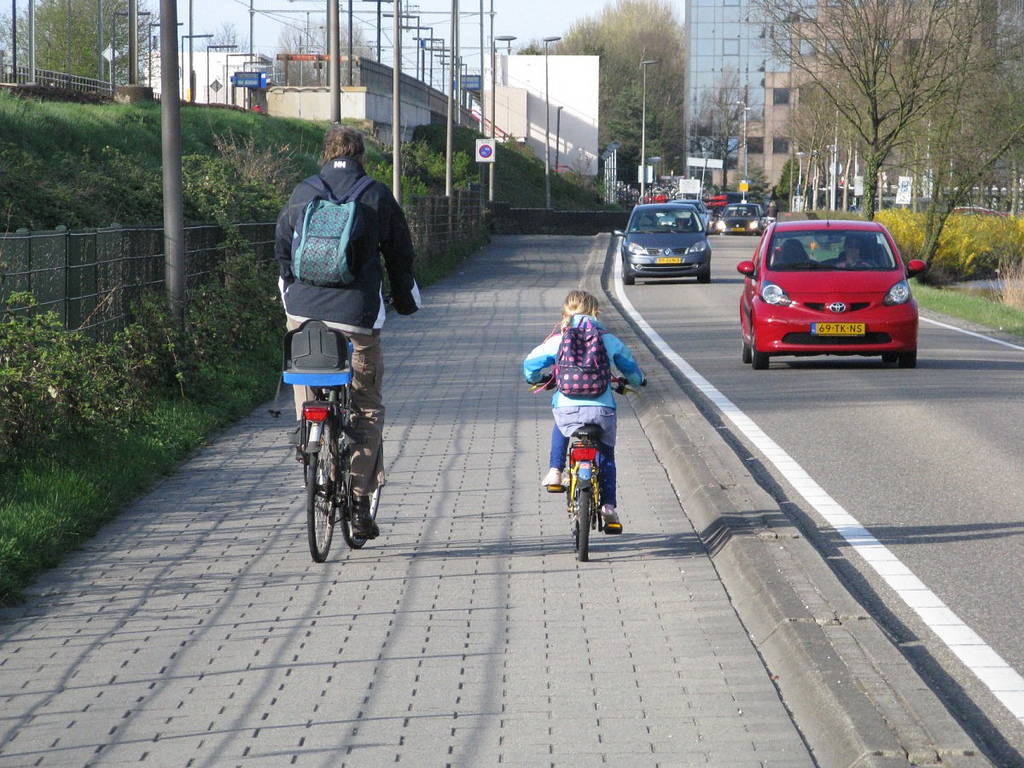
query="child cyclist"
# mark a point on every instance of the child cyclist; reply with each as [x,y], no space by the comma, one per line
[573,412]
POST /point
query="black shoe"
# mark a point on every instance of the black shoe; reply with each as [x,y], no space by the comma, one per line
[363,525]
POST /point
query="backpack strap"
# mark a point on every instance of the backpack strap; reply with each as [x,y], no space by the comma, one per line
[358,188]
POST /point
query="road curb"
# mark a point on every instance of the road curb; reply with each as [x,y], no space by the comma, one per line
[855,698]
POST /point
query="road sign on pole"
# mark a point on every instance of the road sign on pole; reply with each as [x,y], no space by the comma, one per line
[485,150]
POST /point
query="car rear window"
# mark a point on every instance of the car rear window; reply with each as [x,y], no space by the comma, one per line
[830,249]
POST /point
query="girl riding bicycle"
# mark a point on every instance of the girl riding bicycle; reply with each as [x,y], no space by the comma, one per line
[572,412]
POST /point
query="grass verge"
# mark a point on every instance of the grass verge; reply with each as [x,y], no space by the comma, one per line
[979,310]
[51,503]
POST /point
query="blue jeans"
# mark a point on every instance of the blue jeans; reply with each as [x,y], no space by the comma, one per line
[605,460]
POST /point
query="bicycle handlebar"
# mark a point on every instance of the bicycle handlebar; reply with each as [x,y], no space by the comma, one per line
[618,384]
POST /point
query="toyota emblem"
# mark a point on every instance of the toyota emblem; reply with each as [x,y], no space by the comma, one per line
[836,307]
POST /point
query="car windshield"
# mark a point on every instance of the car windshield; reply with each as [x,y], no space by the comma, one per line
[742,210]
[663,220]
[832,249]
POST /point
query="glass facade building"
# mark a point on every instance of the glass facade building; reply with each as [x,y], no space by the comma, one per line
[728,61]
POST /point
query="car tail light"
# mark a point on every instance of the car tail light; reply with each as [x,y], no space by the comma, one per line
[584,454]
[314,412]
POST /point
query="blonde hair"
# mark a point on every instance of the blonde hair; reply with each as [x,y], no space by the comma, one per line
[579,303]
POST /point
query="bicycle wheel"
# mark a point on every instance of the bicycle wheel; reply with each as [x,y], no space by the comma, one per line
[584,516]
[320,495]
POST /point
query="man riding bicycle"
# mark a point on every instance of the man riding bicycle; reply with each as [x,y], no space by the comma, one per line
[356,309]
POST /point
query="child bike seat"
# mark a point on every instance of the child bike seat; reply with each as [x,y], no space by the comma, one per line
[593,431]
[317,356]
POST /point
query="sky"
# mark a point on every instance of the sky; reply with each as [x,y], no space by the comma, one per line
[526,19]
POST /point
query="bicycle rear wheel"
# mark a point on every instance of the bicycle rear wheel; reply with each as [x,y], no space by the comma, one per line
[584,512]
[320,495]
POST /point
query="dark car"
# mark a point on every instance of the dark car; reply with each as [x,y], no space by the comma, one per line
[828,288]
[665,240]
[741,219]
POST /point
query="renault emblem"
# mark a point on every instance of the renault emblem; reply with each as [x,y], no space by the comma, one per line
[836,307]
[667,251]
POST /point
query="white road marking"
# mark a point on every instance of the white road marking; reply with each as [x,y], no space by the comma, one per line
[989,667]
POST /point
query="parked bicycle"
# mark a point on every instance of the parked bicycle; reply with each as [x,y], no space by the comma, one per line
[319,358]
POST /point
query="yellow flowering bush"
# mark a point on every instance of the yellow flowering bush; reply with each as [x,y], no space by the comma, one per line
[970,246]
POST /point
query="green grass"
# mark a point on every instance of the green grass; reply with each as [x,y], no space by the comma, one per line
[974,309]
[52,502]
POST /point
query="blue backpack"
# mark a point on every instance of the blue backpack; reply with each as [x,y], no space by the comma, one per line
[330,224]
[582,369]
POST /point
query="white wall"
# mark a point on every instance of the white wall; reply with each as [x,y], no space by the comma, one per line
[573,84]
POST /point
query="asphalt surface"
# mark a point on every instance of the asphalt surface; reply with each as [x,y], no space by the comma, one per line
[196,631]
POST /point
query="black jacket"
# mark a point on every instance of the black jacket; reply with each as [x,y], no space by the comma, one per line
[358,307]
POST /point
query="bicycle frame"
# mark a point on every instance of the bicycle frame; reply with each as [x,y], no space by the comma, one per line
[584,497]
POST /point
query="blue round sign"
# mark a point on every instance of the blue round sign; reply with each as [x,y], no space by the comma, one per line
[485,150]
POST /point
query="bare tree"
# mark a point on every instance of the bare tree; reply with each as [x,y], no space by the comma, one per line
[716,123]
[885,65]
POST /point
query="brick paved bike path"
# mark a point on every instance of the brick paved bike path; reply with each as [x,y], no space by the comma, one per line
[196,631]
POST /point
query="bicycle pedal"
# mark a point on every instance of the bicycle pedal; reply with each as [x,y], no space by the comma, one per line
[556,488]
[613,529]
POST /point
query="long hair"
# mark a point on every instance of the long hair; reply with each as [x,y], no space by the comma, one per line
[579,303]
[342,141]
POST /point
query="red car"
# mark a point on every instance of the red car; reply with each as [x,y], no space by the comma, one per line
[828,288]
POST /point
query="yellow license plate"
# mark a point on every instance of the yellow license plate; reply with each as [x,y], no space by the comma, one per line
[838,329]
[670,260]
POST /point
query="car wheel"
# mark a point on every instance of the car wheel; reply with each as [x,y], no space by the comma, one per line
[746,356]
[907,359]
[704,276]
[758,359]
[628,278]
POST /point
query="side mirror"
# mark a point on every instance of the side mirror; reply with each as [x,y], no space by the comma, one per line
[746,268]
[619,233]
[915,267]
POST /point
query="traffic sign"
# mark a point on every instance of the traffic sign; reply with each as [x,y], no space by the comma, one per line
[249,80]
[485,150]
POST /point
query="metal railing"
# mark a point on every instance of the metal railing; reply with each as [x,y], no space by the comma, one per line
[49,79]
[92,278]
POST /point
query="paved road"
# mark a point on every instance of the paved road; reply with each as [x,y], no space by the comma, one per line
[195,630]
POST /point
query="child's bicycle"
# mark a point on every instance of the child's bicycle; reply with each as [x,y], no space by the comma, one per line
[581,482]
[319,357]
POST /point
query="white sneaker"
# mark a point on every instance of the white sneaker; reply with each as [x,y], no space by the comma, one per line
[553,480]
[610,517]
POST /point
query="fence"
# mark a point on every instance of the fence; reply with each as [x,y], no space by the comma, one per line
[91,278]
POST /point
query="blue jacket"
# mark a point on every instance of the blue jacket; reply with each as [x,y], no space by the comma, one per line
[543,356]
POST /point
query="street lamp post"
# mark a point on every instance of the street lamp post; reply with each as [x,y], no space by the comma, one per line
[494,104]
[746,109]
[558,134]
[214,48]
[643,130]
[800,178]
[191,75]
[547,125]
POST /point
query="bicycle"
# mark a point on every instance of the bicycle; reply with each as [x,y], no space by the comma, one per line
[583,491]
[319,358]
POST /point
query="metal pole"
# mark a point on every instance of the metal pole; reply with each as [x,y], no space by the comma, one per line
[643,130]
[351,55]
[334,56]
[170,108]
[99,38]
[133,43]
[191,72]
[396,107]
[448,171]
[547,127]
